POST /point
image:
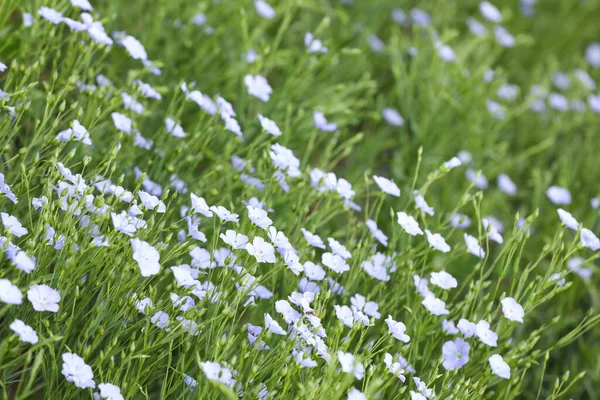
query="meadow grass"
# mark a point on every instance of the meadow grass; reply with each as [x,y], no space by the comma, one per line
[128,132]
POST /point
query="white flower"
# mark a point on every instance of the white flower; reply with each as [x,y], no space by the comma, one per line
[589,239]
[189,326]
[25,332]
[558,195]
[110,391]
[313,239]
[437,241]
[584,77]
[422,204]
[190,382]
[592,54]
[199,205]
[477,178]
[355,394]
[264,9]
[420,17]
[507,185]
[258,87]
[313,271]
[467,328]
[160,320]
[43,298]
[338,248]
[460,221]
[344,314]
[82,4]
[269,126]
[490,12]
[126,224]
[369,308]
[376,44]
[557,277]
[9,293]
[464,156]
[376,232]
[476,27]
[567,219]
[508,92]
[485,334]
[284,159]
[51,15]
[453,163]
[503,37]
[263,252]
[314,45]
[512,310]
[152,202]
[392,116]
[443,280]
[183,303]
[77,371]
[394,367]
[4,188]
[399,16]
[558,102]
[146,256]
[174,128]
[423,389]
[22,261]
[148,91]
[96,30]
[397,329]
[445,52]
[473,246]
[235,240]
[449,327]
[387,186]
[561,80]
[215,372]
[350,365]
[122,122]
[193,230]
[455,354]
[27,20]
[434,305]
[416,396]
[280,241]
[335,262]
[143,304]
[259,217]
[409,224]
[12,225]
[185,276]
[422,286]
[38,202]
[77,132]
[203,101]
[322,124]
[344,189]
[499,366]
[574,265]
[224,214]
[135,49]
[273,326]
[250,56]
[492,230]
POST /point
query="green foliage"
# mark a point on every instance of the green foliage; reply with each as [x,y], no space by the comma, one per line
[50,71]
